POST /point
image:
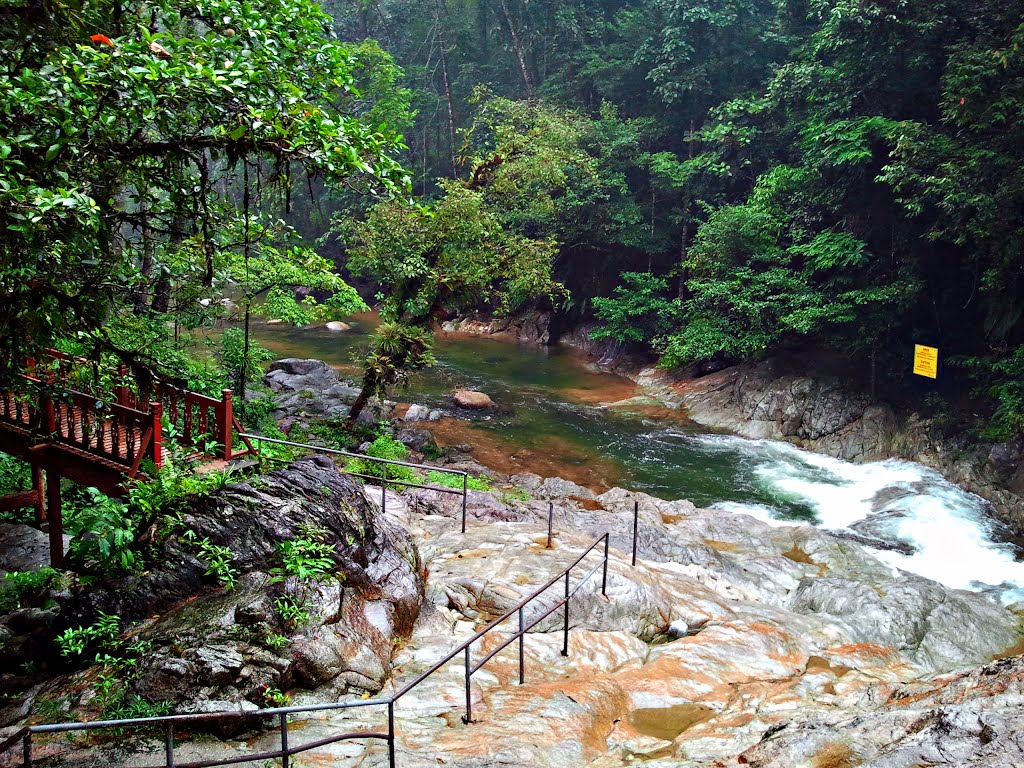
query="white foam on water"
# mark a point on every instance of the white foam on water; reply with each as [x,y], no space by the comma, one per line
[947,526]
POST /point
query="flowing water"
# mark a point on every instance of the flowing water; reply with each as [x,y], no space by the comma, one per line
[552,418]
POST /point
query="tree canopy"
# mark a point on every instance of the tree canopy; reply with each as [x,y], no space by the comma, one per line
[132,133]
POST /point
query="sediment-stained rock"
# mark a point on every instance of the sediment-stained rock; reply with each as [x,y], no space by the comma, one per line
[730,643]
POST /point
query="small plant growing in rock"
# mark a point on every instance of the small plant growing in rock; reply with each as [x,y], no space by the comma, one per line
[383,447]
[52,710]
[217,560]
[20,588]
[275,641]
[514,494]
[104,633]
[291,611]
[218,564]
[307,557]
[274,697]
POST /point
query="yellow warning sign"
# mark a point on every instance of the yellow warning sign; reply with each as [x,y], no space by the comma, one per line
[926,361]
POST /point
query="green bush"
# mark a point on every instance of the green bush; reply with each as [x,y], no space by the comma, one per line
[638,310]
[232,356]
[103,635]
[1004,385]
[21,588]
[218,563]
[15,475]
[102,532]
[384,447]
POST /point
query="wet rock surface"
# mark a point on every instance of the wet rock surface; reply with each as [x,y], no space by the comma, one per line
[731,642]
[225,648]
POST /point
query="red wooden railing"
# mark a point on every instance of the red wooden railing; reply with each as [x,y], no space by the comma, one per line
[113,422]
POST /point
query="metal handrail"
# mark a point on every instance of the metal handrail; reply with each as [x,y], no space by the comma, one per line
[464,493]
[169,721]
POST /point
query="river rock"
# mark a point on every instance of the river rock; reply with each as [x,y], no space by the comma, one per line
[295,374]
[531,326]
[471,400]
[417,439]
[970,719]
[421,413]
[306,390]
[337,326]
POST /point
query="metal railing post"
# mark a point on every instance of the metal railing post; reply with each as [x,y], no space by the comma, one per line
[469,696]
[285,755]
[636,525]
[465,499]
[604,573]
[522,671]
[26,750]
[169,745]
[391,734]
[565,640]
[551,514]
[383,499]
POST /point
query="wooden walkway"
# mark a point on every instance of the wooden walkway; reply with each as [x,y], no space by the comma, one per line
[103,439]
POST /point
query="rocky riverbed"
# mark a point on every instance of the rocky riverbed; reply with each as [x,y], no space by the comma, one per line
[731,642]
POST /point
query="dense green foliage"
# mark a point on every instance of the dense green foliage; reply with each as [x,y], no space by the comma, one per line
[763,174]
[145,145]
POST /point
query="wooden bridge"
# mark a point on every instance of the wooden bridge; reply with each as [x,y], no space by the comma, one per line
[67,418]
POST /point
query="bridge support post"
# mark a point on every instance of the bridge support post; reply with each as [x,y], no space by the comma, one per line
[54,519]
[225,421]
[156,413]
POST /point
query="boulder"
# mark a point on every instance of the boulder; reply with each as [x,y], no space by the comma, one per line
[295,375]
[417,439]
[218,645]
[475,401]
[417,413]
[338,327]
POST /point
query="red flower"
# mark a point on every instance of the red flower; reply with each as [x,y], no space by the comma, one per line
[101,39]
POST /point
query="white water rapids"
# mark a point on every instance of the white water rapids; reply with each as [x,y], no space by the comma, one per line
[954,541]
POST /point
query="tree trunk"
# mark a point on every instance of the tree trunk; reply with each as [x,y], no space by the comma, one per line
[162,295]
[146,268]
[439,7]
[243,376]
[370,385]
[517,50]
[684,244]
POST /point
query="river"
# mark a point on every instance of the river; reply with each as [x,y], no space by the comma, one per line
[552,418]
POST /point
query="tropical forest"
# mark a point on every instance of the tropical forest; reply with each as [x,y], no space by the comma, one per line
[511,383]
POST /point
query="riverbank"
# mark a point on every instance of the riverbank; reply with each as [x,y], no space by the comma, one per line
[787,400]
